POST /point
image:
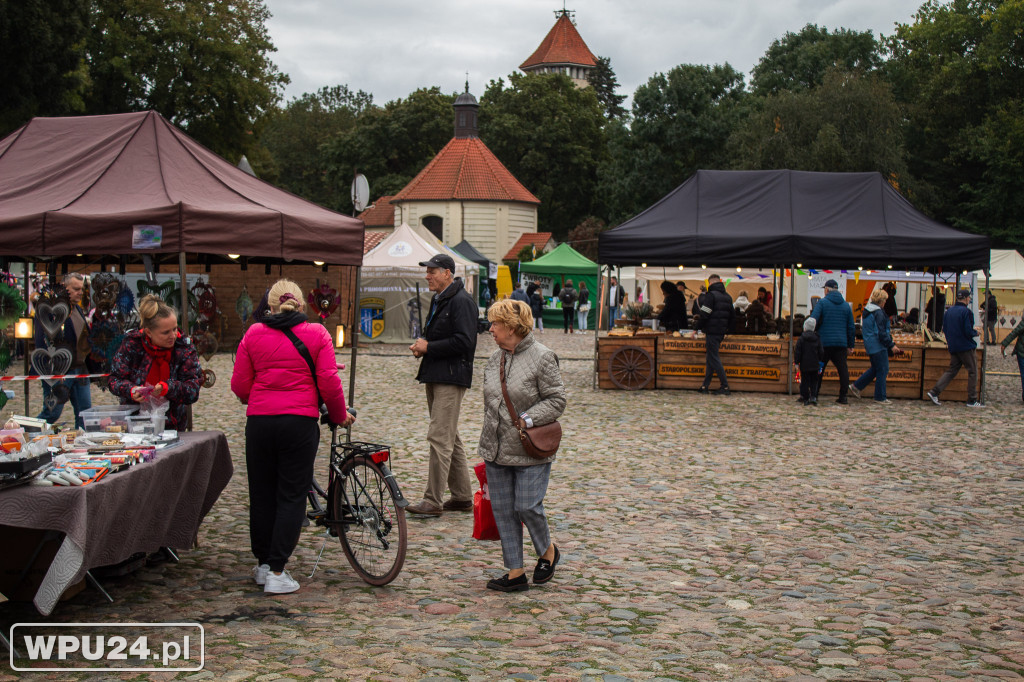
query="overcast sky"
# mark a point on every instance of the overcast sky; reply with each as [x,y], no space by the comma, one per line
[391,47]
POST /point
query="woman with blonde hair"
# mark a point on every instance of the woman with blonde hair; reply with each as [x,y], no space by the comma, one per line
[284,368]
[878,344]
[516,481]
[155,361]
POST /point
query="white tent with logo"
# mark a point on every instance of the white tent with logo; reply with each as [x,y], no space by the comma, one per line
[393,297]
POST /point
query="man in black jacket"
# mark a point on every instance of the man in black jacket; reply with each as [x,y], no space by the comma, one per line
[715,320]
[446,368]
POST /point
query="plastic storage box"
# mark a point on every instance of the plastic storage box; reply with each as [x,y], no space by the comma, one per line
[108,418]
[146,423]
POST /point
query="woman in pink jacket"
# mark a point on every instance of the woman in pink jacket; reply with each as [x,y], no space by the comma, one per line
[282,433]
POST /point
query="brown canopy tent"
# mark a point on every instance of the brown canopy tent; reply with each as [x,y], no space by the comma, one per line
[80,184]
[102,185]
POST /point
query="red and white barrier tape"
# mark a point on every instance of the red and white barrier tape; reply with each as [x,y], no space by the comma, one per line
[40,377]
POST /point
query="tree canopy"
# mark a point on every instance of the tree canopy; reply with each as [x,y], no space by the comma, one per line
[550,135]
[602,79]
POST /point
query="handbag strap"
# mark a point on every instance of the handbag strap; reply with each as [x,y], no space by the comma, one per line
[304,352]
[504,391]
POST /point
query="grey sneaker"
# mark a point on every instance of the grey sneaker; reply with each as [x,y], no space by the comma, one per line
[934,398]
[854,390]
[260,573]
[883,402]
[280,584]
[975,403]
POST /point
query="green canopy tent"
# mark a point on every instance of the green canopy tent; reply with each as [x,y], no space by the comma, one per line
[563,263]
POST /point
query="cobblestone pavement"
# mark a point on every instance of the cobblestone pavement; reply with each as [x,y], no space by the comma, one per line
[703,538]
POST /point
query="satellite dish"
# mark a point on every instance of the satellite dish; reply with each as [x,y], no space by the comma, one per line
[360,192]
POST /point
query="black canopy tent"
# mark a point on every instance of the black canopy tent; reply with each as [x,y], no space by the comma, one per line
[787,218]
[784,217]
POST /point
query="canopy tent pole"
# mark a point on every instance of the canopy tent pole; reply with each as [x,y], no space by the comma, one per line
[354,336]
[792,317]
[183,324]
[599,320]
[984,346]
[25,342]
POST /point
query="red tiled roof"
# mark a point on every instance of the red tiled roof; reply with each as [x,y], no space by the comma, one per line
[465,169]
[538,239]
[562,45]
[372,239]
[381,214]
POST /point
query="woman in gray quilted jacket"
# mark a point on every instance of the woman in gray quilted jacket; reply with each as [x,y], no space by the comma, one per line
[517,482]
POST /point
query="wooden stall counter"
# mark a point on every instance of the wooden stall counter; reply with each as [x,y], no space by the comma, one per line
[752,363]
[936,362]
[627,362]
[903,380]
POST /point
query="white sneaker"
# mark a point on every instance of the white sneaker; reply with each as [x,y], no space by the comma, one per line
[280,584]
[854,390]
[975,403]
[883,402]
[260,573]
[934,398]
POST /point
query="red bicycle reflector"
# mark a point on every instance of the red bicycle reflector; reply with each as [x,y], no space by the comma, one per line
[380,456]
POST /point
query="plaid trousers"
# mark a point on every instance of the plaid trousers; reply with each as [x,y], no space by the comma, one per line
[517,498]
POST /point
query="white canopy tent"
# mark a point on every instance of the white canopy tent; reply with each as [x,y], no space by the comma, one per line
[393,295]
[1007,270]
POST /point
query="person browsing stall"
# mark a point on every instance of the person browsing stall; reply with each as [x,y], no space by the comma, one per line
[834,317]
[715,320]
[75,331]
[673,316]
[282,394]
[446,371]
[155,361]
[516,482]
[878,345]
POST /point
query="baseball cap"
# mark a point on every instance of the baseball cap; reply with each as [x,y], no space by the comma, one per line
[440,260]
[963,294]
[830,284]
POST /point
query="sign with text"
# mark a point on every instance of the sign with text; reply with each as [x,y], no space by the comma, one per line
[696,371]
[894,376]
[902,356]
[747,347]
[147,236]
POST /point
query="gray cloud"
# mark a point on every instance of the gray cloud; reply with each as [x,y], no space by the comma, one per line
[392,47]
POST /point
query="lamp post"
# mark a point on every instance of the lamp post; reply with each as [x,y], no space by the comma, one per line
[23,331]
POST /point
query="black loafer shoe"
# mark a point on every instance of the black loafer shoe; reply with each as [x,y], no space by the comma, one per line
[545,569]
[455,505]
[722,390]
[503,584]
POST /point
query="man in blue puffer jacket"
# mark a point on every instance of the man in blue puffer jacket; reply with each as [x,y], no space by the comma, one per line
[958,326]
[835,327]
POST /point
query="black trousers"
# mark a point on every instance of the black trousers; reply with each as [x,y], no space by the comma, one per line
[568,316]
[837,356]
[713,363]
[279,453]
[809,384]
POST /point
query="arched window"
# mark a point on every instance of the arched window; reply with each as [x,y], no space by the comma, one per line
[435,224]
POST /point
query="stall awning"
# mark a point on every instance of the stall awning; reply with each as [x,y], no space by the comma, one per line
[781,217]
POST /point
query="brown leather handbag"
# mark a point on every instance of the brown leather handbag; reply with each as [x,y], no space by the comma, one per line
[539,442]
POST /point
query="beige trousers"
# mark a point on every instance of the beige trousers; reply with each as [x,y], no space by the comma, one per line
[449,468]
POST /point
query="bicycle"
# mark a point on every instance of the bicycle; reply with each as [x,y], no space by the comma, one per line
[365,509]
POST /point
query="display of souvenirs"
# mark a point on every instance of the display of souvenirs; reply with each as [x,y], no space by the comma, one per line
[323,299]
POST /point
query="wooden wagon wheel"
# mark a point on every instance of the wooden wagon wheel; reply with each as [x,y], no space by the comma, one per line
[631,368]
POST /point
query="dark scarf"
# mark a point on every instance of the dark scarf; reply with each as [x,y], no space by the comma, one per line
[160,369]
[285,319]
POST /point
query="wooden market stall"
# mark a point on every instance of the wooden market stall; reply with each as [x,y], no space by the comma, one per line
[792,219]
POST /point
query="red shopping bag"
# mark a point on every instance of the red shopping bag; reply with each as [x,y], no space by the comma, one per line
[484,527]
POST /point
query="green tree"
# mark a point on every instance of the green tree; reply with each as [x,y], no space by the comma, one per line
[959,70]
[606,87]
[583,237]
[550,135]
[798,61]
[681,122]
[42,50]
[390,144]
[294,136]
[850,123]
[203,64]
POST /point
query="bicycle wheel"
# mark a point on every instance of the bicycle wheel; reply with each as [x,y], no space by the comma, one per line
[371,526]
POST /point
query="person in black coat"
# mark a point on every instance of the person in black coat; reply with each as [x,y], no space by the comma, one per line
[809,356]
[715,320]
[936,309]
[673,316]
[446,368]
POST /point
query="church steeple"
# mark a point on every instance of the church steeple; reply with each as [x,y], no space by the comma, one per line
[562,51]
[465,114]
